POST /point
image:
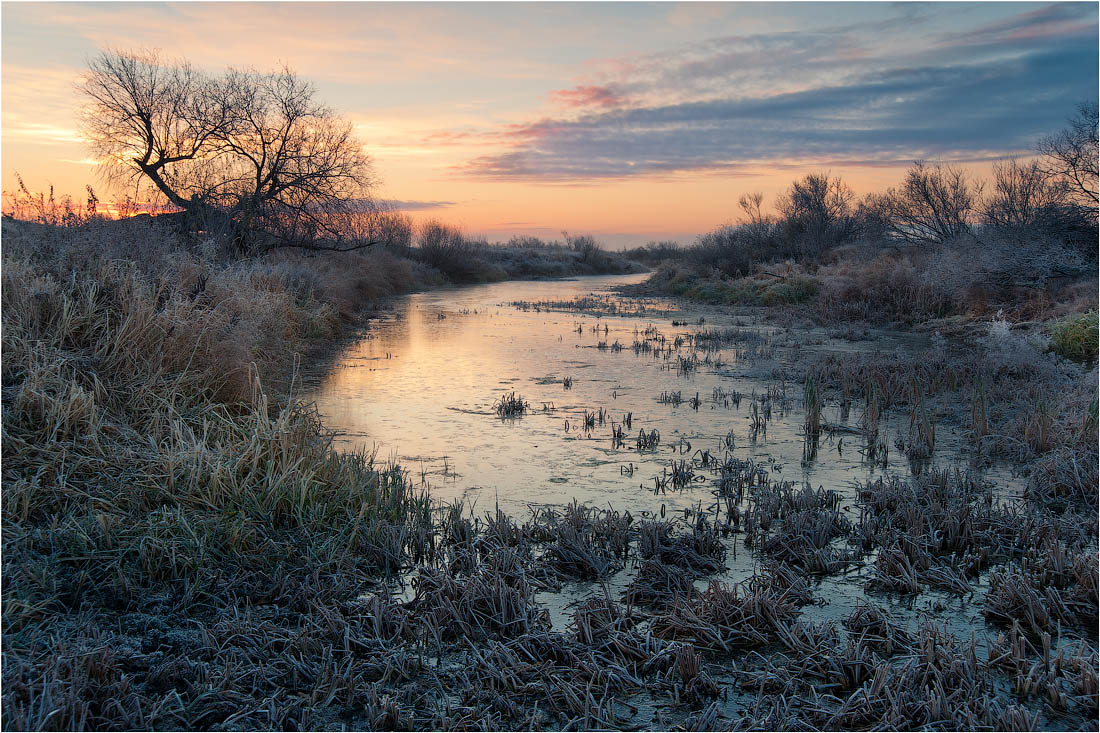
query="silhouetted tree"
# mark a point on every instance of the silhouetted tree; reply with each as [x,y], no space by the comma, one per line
[1025,197]
[817,209]
[253,150]
[871,219]
[445,248]
[1071,155]
[934,204]
[757,225]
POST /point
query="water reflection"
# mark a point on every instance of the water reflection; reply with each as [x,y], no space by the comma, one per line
[420,388]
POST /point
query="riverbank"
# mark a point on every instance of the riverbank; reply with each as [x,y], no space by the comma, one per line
[159,472]
[905,290]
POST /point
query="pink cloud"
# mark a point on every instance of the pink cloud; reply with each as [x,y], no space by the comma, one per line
[587,96]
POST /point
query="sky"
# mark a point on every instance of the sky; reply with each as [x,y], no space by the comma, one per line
[629,121]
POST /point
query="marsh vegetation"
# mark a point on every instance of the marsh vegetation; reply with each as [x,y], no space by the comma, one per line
[745,525]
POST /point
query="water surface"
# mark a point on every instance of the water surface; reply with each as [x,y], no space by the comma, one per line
[421,384]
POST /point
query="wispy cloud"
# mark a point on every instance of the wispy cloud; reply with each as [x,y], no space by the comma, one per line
[1049,22]
[41,133]
[587,96]
[846,93]
[402,205]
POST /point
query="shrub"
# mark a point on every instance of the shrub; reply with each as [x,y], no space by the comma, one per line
[736,250]
[891,287]
[1076,338]
[795,289]
[446,249]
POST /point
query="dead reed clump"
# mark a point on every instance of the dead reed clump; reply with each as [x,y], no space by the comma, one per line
[798,526]
[670,398]
[381,711]
[688,678]
[574,554]
[922,429]
[758,422]
[584,541]
[700,551]
[1060,675]
[1057,589]
[707,719]
[905,567]
[511,405]
[1066,478]
[548,678]
[804,540]
[657,585]
[936,682]
[500,530]
[877,627]
[979,411]
[946,514]
[942,685]
[943,528]
[648,441]
[596,618]
[813,403]
[727,617]
[494,600]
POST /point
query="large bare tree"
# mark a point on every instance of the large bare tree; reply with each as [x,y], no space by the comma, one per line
[254,151]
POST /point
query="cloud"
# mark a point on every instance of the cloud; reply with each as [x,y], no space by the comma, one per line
[41,133]
[587,96]
[1048,22]
[736,103]
[408,205]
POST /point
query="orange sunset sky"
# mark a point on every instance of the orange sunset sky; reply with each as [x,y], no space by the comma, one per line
[630,121]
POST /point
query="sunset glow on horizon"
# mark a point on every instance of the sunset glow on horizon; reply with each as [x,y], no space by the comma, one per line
[629,121]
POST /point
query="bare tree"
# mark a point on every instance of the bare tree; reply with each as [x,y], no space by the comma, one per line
[871,219]
[1071,155]
[935,203]
[393,229]
[448,250]
[1025,197]
[818,207]
[151,121]
[254,149]
[369,223]
[585,244]
[752,204]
